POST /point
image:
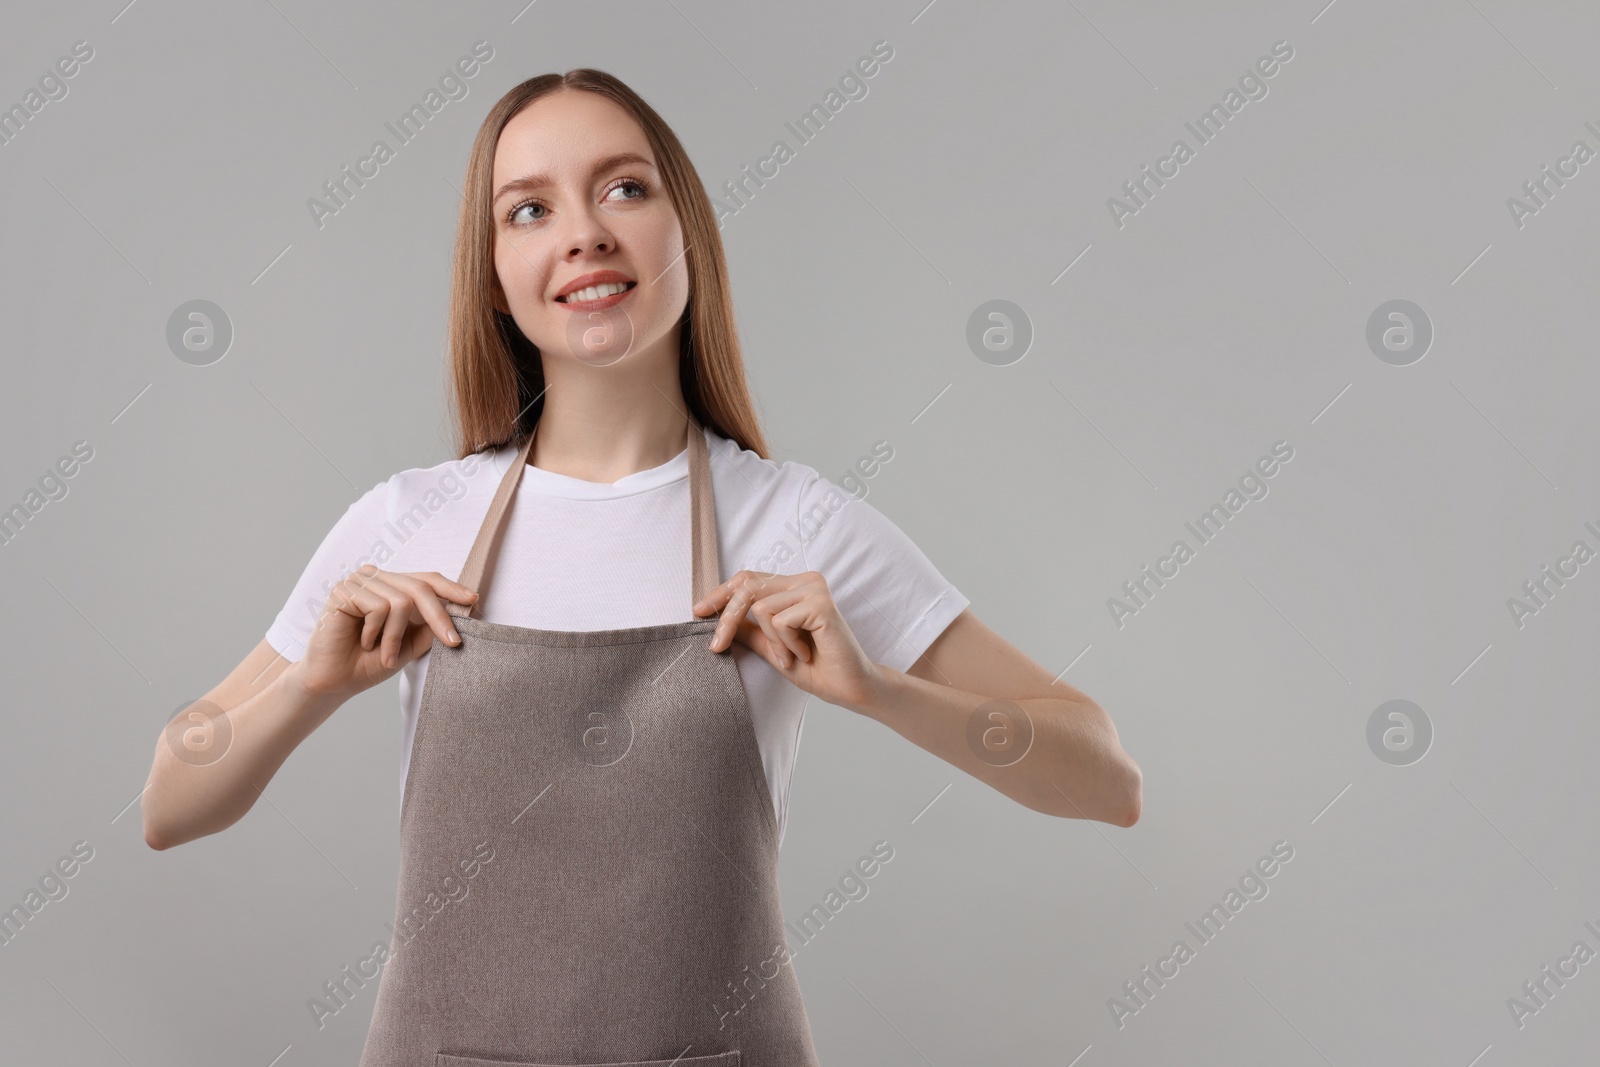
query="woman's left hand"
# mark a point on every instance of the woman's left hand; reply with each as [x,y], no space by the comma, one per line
[793,623]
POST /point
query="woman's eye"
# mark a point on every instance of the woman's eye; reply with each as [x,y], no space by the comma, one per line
[628,184]
[512,216]
[515,216]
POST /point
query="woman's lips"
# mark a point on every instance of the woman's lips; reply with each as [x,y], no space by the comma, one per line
[598,305]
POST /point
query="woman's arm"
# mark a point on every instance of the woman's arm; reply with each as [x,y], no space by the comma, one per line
[215,758]
[1075,766]
[970,689]
[212,761]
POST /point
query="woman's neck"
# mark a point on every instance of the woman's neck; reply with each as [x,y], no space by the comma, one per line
[604,435]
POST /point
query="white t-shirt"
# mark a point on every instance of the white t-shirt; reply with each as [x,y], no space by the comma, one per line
[578,555]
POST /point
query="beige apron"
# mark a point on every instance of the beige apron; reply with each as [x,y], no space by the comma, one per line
[627,911]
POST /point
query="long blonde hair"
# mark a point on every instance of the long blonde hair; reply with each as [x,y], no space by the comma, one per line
[495,371]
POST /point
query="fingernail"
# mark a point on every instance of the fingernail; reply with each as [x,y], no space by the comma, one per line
[455,638]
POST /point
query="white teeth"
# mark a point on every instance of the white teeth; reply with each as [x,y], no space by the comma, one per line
[596,292]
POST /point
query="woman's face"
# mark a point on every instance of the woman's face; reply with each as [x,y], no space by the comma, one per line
[576,193]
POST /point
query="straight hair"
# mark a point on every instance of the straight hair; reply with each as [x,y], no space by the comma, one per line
[496,379]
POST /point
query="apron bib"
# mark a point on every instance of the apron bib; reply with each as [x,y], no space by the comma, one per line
[588,849]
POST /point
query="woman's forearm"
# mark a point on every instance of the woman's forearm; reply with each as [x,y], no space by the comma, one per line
[193,791]
[1074,766]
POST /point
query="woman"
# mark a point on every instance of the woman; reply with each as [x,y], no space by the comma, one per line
[577,745]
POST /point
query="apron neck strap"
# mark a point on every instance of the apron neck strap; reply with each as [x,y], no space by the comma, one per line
[707,573]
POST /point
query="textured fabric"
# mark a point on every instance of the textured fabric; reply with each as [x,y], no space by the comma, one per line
[702,521]
[625,906]
[579,555]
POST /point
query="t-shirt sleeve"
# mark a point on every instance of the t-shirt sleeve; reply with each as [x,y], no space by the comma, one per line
[346,548]
[891,595]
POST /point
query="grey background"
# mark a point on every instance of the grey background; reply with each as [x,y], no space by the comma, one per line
[1228,314]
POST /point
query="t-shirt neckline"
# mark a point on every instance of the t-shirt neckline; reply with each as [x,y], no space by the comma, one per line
[549,483]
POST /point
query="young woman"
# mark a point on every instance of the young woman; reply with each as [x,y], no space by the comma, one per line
[602,711]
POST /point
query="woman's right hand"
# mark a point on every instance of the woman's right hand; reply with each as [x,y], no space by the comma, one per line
[374,623]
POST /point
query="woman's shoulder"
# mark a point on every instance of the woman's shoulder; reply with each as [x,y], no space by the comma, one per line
[893,597]
[790,511]
[432,487]
[754,476]
[795,484]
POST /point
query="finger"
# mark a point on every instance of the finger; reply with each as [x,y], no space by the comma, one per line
[714,600]
[790,607]
[744,589]
[368,601]
[358,598]
[719,597]
[778,651]
[733,613]
[444,587]
[389,614]
[749,588]
[402,613]
[781,635]
[426,603]
[342,597]
[793,621]
[421,642]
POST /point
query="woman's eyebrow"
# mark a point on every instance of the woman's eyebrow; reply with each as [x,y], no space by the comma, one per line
[534,181]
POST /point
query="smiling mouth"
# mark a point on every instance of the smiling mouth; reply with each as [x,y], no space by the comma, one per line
[596,292]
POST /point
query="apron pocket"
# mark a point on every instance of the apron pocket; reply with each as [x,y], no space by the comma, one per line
[722,1059]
